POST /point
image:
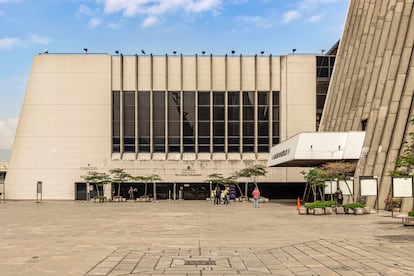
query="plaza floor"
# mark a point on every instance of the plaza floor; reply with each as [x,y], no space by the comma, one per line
[197,238]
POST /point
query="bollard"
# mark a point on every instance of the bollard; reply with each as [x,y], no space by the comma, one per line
[298,204]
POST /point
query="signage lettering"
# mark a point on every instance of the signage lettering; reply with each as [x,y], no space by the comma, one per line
[280,154]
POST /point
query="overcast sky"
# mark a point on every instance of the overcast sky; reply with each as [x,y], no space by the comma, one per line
[28,27]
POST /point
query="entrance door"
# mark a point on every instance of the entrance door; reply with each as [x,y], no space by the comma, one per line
[80,191]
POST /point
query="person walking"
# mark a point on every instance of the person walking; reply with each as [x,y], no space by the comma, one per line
[256,196]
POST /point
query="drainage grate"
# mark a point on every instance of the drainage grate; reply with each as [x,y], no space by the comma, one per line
[199,262]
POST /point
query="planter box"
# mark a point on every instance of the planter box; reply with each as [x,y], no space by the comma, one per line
[339,210]
[359,211]
[408,221]
[318,211]
[328,210]
[302,211]
[349,211]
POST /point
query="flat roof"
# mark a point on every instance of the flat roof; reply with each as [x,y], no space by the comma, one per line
[312,149]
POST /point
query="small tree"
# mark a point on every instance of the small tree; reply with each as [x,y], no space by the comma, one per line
[219,179]
[404,165]
[316,180]
[146,179]
[97,178]
[119,176]
[340,170]
[253,171]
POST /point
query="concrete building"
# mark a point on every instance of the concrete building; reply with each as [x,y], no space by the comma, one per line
[372,86]
[181,117]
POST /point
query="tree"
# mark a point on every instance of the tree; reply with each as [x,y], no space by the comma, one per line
[146,179]
[253,171]
[97,178]
[119,176]
[316,179]
[219,179]
[404,164]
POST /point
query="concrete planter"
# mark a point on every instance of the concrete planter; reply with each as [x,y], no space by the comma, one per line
[408,221]
[302,211]
[349,211]
[328,210]
[359,211]
[367,210]
[318,211]
[339,210]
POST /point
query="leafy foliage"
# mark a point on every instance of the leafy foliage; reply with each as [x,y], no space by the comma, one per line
[320,204]
[404,165]
[353,205]
[97,178]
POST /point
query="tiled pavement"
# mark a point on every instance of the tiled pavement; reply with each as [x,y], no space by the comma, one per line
[197,238]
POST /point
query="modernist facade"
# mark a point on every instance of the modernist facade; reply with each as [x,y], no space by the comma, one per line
[181,117]
[373,86]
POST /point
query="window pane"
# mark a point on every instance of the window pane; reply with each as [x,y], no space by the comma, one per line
[129,121]
[188,121]
[143,121]
[263,98]
[159,121]
[115,121]
[203,98]
[204,128]
[204,113]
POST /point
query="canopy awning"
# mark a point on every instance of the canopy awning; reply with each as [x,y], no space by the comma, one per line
[312,149]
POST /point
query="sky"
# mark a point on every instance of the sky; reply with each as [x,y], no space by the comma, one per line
[28,27]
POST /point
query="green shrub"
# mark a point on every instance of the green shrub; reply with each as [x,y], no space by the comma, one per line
[320,204]
[411,213]
[353,205]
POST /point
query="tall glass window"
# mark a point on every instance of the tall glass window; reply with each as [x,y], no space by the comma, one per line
[159,121]
[116,121]
[129,121]
[188,121]
[143,121]
[218,121]
[263,121]
[275,115]
[204,121]
[233,113]
[174,110]
[248,121]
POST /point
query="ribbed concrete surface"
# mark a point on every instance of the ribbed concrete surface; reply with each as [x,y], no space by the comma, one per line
[373,80]
[197,238]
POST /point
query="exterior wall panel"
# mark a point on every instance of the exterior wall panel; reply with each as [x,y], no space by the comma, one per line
[382,92]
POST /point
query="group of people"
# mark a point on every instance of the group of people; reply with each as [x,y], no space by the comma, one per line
[219,196]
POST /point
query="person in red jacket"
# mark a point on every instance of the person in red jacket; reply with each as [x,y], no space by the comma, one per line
[256,196]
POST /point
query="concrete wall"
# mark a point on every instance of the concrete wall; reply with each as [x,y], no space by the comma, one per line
[65,125]
[374,81]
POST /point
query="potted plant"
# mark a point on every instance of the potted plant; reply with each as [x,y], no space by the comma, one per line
[409,219]
[354,208]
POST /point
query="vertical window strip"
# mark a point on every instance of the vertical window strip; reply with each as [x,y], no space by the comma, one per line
[129,121]
[116,122]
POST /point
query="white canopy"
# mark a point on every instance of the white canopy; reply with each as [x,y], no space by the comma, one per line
[309,149]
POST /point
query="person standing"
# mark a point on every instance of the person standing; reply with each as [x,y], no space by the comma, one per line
[227,195]
[256,196]
[131,193]
[339,196]
[217,195]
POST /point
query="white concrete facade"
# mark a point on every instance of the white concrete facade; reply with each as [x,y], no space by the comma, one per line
[65,127]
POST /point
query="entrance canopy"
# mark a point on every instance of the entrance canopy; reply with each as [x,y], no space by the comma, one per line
[311,149]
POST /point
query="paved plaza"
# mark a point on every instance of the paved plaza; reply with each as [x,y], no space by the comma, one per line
[197,238]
